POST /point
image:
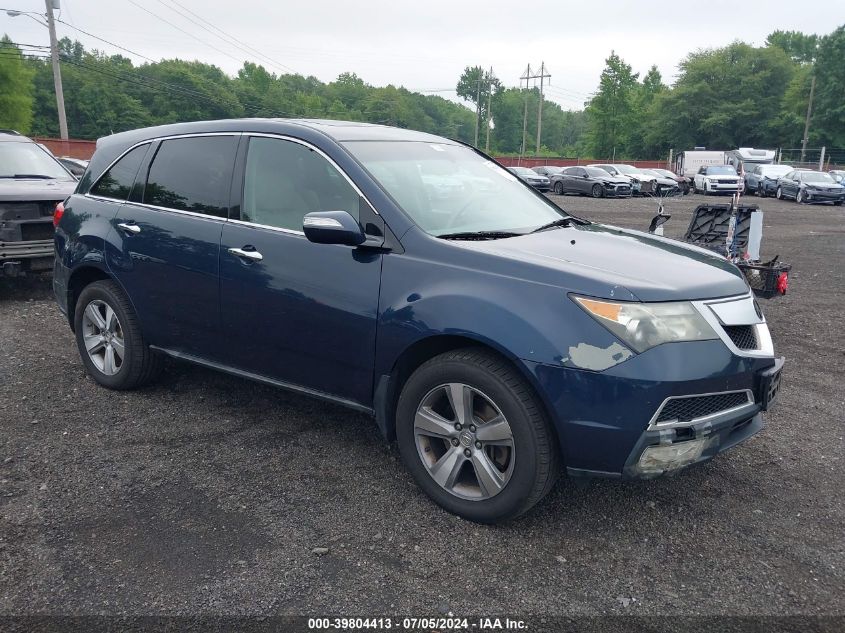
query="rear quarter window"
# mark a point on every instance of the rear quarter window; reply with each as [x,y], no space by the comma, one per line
[117,182]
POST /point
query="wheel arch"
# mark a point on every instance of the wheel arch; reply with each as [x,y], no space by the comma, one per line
[78,280]
[389,386]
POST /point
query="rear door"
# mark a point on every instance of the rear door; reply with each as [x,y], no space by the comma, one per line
[293,311]
[166,241]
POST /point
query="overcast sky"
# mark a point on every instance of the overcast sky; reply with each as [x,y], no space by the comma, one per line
[425,44]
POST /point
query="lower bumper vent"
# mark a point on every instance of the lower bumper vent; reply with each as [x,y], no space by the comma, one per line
[689,408]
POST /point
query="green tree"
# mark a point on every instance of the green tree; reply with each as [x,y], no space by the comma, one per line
[16,88]
[474,85]
[828,125]
[610,112]
[799,46]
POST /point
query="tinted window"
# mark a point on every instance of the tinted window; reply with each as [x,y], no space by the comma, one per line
[285,180]
[192,174]
[117,182]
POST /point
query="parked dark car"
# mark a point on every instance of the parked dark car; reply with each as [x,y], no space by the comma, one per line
[590,181]
[531,177]
[547,170]
[76,166]
[641,183]
[806,186]
[493,335]
[763,179]
[32,182]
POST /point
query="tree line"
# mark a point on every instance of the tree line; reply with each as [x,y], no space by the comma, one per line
[737,95]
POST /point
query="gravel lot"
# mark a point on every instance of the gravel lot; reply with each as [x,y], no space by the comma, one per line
[206,494]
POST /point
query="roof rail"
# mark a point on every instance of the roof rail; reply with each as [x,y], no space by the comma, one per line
[5,131]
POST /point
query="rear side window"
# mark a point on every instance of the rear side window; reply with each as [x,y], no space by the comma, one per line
[117,182]
[192,174]
[285,180]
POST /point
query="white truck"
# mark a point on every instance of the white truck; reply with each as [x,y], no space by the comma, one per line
[689,163]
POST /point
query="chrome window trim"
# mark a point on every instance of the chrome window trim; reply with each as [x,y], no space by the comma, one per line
[204,216]
[654,425]
[283,137]
[765,349]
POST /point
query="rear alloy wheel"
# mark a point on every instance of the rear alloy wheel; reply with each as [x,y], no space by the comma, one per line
[559,188]
[779,193]
[473,435]
[109,338]
[598,191]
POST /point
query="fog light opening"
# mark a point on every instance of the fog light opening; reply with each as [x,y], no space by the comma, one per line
[667,457]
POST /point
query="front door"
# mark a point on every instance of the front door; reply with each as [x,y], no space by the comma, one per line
[294,311]
[168,242]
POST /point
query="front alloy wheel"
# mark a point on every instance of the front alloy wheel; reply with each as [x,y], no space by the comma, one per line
[779,193]
[464,441]
[800,197]
[475,437]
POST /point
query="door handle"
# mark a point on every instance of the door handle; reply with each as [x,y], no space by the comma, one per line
[251,255]
[129,228]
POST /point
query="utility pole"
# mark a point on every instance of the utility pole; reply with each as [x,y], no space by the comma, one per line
[525,110]
[809,114]
[543,75]
[489,96]
[57,72]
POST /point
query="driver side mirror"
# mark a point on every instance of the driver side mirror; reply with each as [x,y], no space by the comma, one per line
[333,227]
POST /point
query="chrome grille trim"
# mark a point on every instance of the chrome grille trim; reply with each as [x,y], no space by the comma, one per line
[654,424]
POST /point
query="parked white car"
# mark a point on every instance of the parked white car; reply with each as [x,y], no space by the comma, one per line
[641,182]
[717,179]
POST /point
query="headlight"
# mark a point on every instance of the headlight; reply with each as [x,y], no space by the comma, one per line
[646,325]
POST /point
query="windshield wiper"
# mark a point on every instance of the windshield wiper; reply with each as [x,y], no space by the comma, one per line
[568,220]
[41,176]
[479,235]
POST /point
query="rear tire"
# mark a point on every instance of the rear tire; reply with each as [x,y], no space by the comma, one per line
[497,393]
[106,324]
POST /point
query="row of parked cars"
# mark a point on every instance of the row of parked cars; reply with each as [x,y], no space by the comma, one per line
[623,181]
[603,180]
[802,185]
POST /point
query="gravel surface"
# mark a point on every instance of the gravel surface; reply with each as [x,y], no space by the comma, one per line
[207,494]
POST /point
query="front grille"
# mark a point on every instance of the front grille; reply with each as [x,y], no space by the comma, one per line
[693,407]
[37,231]
[742,336]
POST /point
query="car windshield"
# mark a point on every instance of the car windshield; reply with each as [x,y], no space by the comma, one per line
[664,172]
[721,170]
[595,172]
[816,176]
[487,199]
[628,170]
[553,170]
[775,170]
[523,170]
[29,160]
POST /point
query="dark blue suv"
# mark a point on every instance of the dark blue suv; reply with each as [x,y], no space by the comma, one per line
[494,336]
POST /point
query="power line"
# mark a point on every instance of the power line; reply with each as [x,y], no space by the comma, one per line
[96,37]
[181,30]
[233,40]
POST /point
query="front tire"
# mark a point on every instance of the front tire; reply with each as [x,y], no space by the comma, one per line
[597,191]
[473,435]
[108,335]
[779,193]
[800,197]
[559,188]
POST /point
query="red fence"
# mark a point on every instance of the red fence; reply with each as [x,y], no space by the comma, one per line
[72,147]
[512,161]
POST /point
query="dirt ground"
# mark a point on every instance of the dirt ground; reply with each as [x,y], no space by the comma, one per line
[206,494]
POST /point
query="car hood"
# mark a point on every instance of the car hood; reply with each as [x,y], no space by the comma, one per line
[724,176]
[611,259]
[616,180]
[835,186]
[29,190]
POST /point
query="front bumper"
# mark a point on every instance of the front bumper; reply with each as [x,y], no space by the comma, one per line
[823,196]
[604,419]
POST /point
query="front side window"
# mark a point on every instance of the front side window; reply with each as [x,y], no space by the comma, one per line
[285,180]
[117,182]
[192,174]
[485,197]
